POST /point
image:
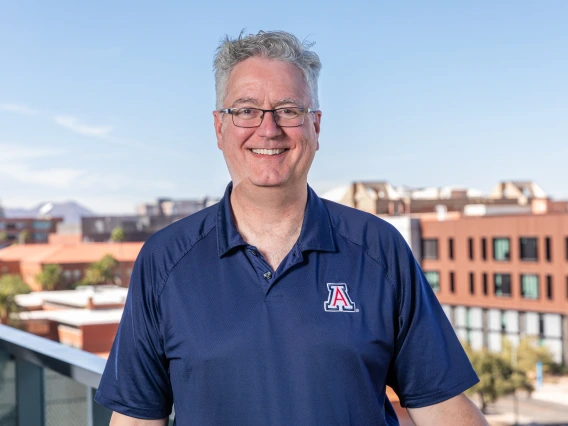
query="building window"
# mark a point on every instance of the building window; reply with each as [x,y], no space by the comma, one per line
[566,248]
[529,286]
[77,274]
[433,278]
[470,248]
[66,275]
[548,249]
[485,289]
[528,248]
[452,282]
[502,284]
[501,249]
[451,248]
[37,224]
[471,283]
[430,248]
[38,237]
[549,287]
[484,248]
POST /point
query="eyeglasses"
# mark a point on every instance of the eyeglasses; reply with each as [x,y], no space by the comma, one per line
[283,117]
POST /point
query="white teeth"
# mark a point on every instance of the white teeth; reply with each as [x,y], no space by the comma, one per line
[268,151]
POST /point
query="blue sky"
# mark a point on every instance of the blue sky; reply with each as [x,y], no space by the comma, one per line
[109,103]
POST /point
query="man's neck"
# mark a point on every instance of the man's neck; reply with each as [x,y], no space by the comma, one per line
[269,218]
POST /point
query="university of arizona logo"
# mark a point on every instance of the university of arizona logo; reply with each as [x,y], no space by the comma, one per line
[338,299]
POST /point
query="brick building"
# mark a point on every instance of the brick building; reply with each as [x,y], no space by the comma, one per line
[501,276]
[26,230]
[74,258]
[498,264]
[86,318]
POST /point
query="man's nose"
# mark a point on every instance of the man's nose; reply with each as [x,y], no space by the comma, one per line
[268,127]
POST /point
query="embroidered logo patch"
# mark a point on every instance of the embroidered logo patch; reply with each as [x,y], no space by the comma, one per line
[338,299]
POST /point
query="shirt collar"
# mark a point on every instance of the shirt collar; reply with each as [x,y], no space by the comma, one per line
[316,233]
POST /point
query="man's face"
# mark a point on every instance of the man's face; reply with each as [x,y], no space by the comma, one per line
[267,84]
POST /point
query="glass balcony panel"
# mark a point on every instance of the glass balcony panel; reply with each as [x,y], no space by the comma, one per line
[65,400]
[7,390]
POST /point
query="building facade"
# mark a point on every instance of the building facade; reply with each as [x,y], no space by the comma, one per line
[501,276]
[74,258]
[26,230]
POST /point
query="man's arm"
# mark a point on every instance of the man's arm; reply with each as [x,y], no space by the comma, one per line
[118,419]
[448,413]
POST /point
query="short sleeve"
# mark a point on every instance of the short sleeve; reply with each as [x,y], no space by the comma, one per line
[429,365]
[136,380]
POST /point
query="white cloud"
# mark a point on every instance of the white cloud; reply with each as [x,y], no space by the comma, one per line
[73,124]
[12,152]
[119,182]
[19,164]
[19,109]
[60,177]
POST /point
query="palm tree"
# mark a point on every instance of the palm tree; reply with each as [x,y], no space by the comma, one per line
[10,286]
[50,276]
[117,234]
[100,272]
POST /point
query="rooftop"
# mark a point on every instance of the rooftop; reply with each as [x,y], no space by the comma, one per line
[74,317]
[78,252]
[101,295]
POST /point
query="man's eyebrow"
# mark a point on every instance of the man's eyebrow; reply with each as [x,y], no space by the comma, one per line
[287,101]
[246,101]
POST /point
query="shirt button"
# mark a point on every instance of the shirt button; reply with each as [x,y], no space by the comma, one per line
[267,275]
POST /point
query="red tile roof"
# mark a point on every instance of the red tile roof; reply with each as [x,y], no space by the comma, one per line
[70,253]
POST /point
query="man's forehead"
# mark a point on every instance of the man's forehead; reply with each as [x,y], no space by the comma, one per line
[248,100]
[255,78]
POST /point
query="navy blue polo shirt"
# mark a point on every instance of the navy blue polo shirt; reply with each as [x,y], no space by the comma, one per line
[209,326]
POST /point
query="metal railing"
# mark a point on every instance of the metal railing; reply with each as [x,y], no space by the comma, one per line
[45,383]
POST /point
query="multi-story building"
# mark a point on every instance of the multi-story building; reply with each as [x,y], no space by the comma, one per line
[26,230]
[170,207]
[382,198]
[500,276]
[136,228]
[498,264]
[149,219]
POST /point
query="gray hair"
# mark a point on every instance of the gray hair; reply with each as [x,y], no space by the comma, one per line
[277,45]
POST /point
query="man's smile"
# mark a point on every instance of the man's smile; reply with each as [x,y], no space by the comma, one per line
[268,151]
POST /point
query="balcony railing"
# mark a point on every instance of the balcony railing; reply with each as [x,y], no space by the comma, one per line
[46,383]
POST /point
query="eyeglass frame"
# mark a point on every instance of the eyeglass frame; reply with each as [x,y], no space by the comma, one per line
[264,111]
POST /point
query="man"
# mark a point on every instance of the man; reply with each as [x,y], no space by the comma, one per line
[275,307]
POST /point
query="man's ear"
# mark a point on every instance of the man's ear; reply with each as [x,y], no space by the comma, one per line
[317,123]
[218,123]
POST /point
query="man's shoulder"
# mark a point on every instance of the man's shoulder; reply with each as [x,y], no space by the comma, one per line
[372,233]
[178,238]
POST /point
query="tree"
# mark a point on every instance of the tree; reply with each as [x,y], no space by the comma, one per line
[50,277]
[23,237]
[497,377]
[529,352]
[10,286]
[100,272]
[117,234]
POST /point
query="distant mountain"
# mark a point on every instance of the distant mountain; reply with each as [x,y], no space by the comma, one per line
[71,212]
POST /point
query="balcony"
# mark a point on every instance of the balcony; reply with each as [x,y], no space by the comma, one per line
[46,383]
